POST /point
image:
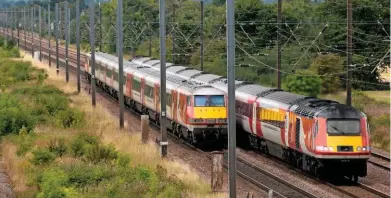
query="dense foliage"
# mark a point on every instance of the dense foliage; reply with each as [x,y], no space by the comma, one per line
[303,82]
[329,67]
[256,32]
[308,29]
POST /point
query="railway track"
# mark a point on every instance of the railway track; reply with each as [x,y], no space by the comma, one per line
[246,170]
[380,161]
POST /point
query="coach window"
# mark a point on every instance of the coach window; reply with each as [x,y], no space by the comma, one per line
[148,91]
[188,101]
[136,85]
[109,73]
[115,76]
[316,129]
[168,99]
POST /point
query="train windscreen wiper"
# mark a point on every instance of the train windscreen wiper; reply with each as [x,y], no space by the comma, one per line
[339,131]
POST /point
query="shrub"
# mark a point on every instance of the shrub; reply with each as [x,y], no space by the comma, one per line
[57,146]
[82,174]
[77,147]
[8,45]
[24,142]
[52,98]
[328,64]
[52,184]
[123,160]
[78,144]
[42,156]
[69,118]
[14,115]
[304,82]
[100,153]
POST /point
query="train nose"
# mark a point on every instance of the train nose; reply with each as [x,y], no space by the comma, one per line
[210,112]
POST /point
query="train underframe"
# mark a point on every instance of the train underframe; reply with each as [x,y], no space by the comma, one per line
[321,168]
[198,135]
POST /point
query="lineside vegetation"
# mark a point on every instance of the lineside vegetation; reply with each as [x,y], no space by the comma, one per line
[55,145]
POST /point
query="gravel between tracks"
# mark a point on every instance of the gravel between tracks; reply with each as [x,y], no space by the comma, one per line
[5,185]
[377,178]
[302,181]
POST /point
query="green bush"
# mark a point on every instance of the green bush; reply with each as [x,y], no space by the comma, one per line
[8,45]
[324,65]
[79,143]
[51,97]
[123,160]
[24,141]
[69,118]
[12,71]
[77,147]
[83,174]
[42,156]
[14,115]
[100,153]
[57,146]
[304,82]
[53,183]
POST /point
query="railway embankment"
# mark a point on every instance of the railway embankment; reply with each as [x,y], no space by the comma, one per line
[55,143]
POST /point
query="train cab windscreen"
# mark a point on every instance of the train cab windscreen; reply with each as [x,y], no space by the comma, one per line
[209,101]
[343,127]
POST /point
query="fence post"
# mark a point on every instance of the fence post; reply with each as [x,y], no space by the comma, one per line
[217,171]
[270,193]
[144,128]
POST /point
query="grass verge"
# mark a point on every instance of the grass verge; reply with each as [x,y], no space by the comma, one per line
[52,149]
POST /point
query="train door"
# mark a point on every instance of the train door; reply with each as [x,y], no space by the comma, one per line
[182,105]
[286,128]
[297,133]
[142,91]
[157,97]
[254,117]
[129,85]
[175,105]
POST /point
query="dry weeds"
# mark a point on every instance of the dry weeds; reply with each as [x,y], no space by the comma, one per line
[103,124]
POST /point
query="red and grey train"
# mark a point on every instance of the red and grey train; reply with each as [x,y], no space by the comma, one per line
[316,135]
[195,111]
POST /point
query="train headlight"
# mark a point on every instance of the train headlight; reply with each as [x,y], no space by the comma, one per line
[325,148]
[364,148]
[359,148]
[331,148]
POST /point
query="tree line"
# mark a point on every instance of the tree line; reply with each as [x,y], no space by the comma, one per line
[312,35]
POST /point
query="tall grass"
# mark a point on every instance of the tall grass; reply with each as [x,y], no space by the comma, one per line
[378,113]
[69,152]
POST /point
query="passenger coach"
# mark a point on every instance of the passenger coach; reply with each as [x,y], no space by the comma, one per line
[195,111]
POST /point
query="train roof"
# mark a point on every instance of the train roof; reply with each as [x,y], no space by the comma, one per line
[312,106]
[148,71]
[300,104]
[285,97]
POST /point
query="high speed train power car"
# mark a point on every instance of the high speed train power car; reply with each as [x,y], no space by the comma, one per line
[195,111]
[318,136]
